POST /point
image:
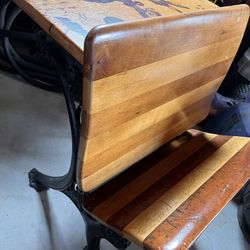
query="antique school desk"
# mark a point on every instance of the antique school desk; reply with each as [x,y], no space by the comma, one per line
[138,172]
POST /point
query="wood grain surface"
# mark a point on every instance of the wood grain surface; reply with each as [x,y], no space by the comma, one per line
[167,199]
[148,81]
[68,22]
[145,83]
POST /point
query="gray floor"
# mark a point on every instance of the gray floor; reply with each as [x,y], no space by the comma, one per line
[34,132]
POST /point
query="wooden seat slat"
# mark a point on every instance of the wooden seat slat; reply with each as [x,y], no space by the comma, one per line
[189,220]
[166,203]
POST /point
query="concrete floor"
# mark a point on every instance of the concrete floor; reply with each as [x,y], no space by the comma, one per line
[34,132]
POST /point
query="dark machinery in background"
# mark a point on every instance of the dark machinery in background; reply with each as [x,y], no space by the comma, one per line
[229,2]
[237,82]
[25,50]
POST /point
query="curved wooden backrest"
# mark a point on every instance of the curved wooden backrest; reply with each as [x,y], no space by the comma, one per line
[148,81]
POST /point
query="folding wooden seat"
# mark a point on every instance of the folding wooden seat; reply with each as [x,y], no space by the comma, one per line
[167,199]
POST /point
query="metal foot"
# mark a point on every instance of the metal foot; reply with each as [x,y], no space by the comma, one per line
[40,181]
[96,231]
[34,182]
[93,244]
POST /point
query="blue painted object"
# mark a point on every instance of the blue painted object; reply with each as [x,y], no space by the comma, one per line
[228,118]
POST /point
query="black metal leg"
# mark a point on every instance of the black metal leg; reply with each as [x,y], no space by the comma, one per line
[96,231]
[40,181]
[35,183]
[92,244]
[93,235]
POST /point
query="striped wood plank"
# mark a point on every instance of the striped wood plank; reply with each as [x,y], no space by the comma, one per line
[191,216]
[168,185]
[148,81]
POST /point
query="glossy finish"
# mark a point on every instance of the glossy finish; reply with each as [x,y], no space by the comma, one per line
[68,22]
[136,98]
[192,217]
[166,200]
[145,83]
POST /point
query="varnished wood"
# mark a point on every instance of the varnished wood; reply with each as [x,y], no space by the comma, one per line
[166,200]
[148,81]
[201,208]
[68,22]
